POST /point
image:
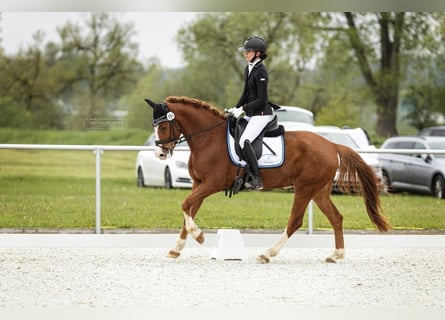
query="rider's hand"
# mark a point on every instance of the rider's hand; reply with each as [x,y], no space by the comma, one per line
[238,112]
[229,111]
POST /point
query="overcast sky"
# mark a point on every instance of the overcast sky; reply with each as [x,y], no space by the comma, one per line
[156,31]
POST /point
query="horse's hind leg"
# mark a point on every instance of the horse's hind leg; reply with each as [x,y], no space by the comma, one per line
[324,202]
[276,247]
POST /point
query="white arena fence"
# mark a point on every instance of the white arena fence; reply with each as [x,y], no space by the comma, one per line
[99,149]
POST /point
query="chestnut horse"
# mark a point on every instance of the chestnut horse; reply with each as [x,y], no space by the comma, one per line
[310,165]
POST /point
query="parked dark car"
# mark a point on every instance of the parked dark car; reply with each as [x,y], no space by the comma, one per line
[419,171]
[438,131]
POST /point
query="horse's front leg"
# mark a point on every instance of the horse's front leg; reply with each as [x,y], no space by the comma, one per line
[180,244]
[189,226]
[193,229]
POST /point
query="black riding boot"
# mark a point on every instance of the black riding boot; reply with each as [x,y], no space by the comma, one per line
[249,155]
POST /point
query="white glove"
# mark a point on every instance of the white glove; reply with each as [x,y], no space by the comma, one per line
[230,111]
[238,112]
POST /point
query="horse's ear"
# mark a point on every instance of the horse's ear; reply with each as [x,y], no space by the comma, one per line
[151,103]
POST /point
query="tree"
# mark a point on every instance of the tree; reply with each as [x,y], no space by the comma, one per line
[83,76]
[103,63]
[422,101]
[27,91]
[385,85]
[424,94]
[384,39]
[336,92]
[1,39]
[215,67]
[153,86]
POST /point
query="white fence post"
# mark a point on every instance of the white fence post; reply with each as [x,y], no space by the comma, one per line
[98,151]
[310,220]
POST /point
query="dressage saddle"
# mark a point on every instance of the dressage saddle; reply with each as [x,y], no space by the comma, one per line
[237,127]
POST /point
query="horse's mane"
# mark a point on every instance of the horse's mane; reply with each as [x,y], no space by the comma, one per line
[196,103]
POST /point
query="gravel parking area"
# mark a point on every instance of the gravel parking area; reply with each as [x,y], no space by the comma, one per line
[395,276]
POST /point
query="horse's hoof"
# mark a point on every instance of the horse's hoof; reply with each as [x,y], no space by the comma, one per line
[172,254]
[200,238]
[330,260]
[262,259]
[338,254]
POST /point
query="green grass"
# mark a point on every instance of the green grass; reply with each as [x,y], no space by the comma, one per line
[56,189]
[86,137]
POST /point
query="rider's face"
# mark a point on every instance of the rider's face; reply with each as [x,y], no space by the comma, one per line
[248,55]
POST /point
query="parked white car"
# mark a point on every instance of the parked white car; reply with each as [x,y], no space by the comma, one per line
[360,136]
[342,136]
[295,118]
[169,173]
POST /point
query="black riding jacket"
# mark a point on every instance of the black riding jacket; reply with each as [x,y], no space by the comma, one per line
[254,99]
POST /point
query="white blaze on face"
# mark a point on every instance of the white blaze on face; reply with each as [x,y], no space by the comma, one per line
[158,150]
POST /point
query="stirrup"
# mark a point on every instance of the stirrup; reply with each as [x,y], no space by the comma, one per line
[258,184]
[253,183]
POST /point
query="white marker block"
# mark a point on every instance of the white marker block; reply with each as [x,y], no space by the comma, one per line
[230,246]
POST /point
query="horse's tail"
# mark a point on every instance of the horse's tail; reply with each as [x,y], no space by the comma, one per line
[356,175]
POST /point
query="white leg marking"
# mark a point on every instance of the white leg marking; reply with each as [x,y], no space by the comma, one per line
[338,254]
[189,223]
[276,247]
[180,244]
[283,238]
[176,250]
[191,226]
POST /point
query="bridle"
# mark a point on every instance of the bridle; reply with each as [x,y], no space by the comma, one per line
[169,116]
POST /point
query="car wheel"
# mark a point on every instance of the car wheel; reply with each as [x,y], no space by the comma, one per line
[140,178]
[386,182]
[438,187]
[167,179]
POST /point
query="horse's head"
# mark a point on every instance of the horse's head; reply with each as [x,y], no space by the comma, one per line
[167,131]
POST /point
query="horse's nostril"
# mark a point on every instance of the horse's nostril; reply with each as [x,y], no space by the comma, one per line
[160,153]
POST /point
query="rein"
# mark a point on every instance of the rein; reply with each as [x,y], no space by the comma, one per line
[183,138]
[170,117]
[191,136]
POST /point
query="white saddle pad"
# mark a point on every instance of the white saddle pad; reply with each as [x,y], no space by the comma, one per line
[268,159]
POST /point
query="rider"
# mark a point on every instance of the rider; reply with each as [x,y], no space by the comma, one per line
[254,103]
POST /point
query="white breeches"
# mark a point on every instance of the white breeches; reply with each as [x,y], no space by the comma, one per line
[254,127]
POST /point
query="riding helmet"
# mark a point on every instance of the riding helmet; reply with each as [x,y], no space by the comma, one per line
[254,44]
